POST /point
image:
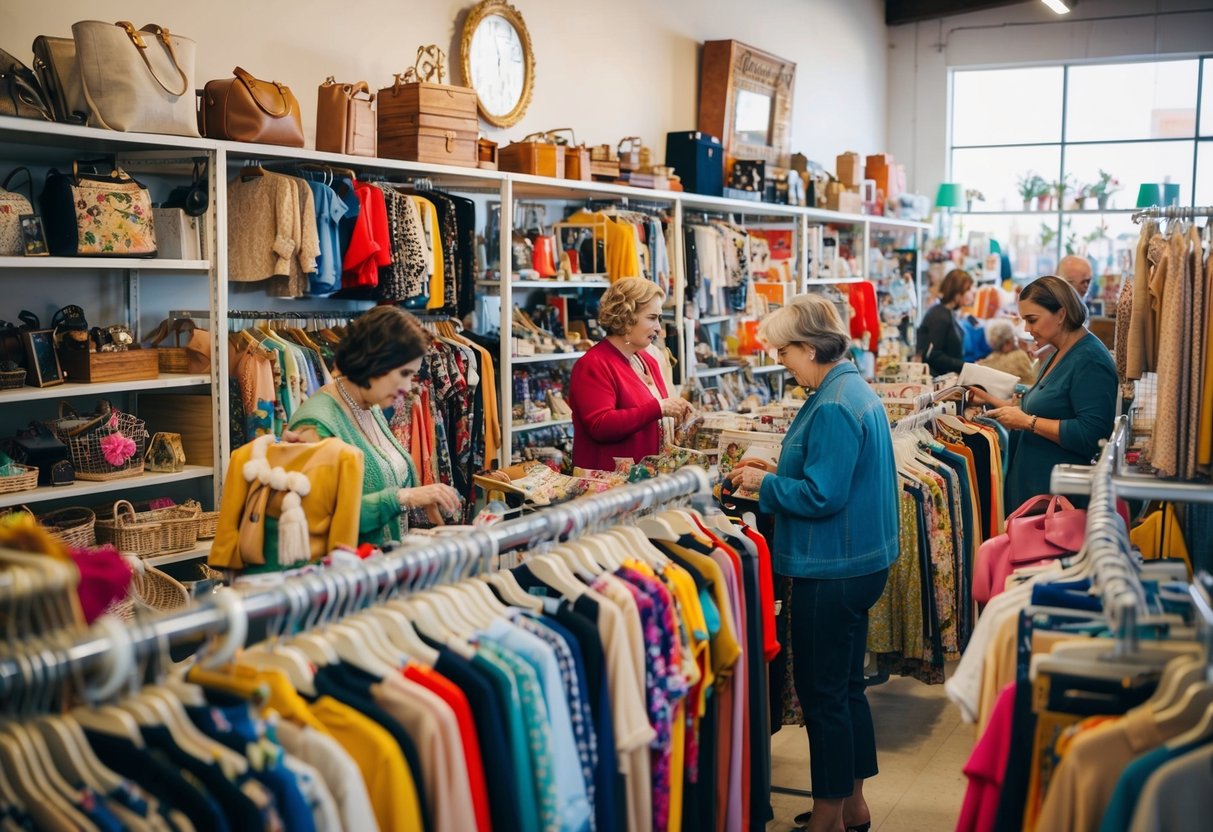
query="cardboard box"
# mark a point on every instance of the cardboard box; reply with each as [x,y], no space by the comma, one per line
[92,367]
[849,169]
[185,414]
[847,202]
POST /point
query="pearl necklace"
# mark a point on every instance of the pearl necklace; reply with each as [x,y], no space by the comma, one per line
[372,432]
[345,395]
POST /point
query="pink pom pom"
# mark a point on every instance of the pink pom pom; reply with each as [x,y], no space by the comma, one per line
[117,449]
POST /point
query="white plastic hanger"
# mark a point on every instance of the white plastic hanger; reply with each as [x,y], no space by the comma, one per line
[512,591]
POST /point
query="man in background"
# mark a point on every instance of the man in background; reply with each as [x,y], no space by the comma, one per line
[1076,271]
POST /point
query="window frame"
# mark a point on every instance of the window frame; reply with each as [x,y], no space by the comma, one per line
[1204,79]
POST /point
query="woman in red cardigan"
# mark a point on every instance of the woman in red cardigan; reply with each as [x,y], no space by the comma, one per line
[616,392]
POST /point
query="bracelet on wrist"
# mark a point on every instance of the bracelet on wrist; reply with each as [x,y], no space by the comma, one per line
[1032,425]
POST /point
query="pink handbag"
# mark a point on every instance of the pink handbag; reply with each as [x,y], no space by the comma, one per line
[1030,538]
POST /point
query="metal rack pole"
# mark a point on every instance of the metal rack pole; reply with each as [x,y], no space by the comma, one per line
[424,561]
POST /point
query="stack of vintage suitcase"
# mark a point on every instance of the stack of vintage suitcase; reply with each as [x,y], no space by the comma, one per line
[424,122]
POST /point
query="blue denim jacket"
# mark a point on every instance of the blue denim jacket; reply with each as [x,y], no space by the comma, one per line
[834,495]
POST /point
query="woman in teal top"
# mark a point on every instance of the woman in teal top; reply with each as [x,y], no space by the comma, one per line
[376,362]
[1072,406]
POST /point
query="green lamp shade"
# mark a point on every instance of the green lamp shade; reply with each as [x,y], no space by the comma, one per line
[950,195]
[1150,193]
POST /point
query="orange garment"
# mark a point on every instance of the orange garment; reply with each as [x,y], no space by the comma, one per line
[458,702]
[983,522]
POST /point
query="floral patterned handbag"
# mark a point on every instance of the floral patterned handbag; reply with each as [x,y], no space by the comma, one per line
[97,214]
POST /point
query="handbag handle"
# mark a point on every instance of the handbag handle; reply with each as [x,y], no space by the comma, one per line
[162,34]
[252,84]
[29,181]
[1031,504]
[1056,503]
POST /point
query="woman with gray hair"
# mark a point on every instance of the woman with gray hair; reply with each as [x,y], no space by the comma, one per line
[834,497]
[1006,353]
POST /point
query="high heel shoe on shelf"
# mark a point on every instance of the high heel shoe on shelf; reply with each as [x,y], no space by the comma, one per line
[803,820]
[559,407]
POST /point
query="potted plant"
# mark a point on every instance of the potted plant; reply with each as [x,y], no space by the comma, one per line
[1104,188]
[1029,187]
[973,195]
[1053,190]
[1081,194]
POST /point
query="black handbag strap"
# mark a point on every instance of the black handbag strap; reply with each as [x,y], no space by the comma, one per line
[29,181]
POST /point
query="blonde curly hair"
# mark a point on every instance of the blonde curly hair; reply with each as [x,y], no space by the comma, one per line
[617,309]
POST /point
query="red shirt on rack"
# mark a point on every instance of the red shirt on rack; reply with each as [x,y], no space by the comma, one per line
[370,245]
[614,412]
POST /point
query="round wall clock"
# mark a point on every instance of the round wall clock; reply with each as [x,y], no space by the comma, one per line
[498,62]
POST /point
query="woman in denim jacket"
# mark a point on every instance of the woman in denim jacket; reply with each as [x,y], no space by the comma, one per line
[834,499]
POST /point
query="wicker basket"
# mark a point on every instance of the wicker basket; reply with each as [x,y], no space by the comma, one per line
[153,591]
[25,481]
[12,379]
[83,436]
[208,521]
[74,525]
[147,533]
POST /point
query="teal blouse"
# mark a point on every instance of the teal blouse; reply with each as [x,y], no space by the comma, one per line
[1081,392]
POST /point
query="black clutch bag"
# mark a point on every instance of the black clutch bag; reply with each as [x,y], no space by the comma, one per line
[39,448]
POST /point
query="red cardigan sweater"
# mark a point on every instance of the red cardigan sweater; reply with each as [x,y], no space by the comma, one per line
[614,412]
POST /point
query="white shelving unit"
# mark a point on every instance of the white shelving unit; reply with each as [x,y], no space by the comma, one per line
[84,488]
[114,290]
[151,264]
[547,358]
[23,141]
[166,381]
[553,423]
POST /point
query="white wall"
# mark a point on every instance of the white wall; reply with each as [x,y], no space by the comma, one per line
[606,69]
[921,54]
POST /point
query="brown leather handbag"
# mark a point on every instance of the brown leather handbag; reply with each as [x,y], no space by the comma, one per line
[245,109]
[345,118]
[20,93]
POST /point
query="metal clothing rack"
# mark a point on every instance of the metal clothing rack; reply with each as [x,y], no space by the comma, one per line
[228,613]
[1173,212]
[1078,479]
[1108,547]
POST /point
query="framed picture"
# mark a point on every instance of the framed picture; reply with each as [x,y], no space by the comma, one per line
[33,238]
[745,98]
[40,358]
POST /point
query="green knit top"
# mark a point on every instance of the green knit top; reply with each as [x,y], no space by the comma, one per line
[380,518]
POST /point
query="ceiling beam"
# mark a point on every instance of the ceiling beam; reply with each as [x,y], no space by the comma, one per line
[913,11]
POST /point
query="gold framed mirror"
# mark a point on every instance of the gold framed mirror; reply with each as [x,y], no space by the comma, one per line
[498,61]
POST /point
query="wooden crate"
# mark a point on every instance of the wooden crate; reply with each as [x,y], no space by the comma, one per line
[430,145]
[185,414]
[129,365]
[433,123]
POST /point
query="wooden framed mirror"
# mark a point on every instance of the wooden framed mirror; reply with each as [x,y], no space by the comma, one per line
[745,98]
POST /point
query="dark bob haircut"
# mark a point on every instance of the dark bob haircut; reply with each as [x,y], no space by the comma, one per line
[1053,293]
[378,342]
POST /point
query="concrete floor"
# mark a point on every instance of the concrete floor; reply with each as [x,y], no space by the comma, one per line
[922,747]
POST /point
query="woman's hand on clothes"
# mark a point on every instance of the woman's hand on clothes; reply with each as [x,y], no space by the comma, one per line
[439,496]
[978,395]
[1011,418]
[748,476]
[677,407]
